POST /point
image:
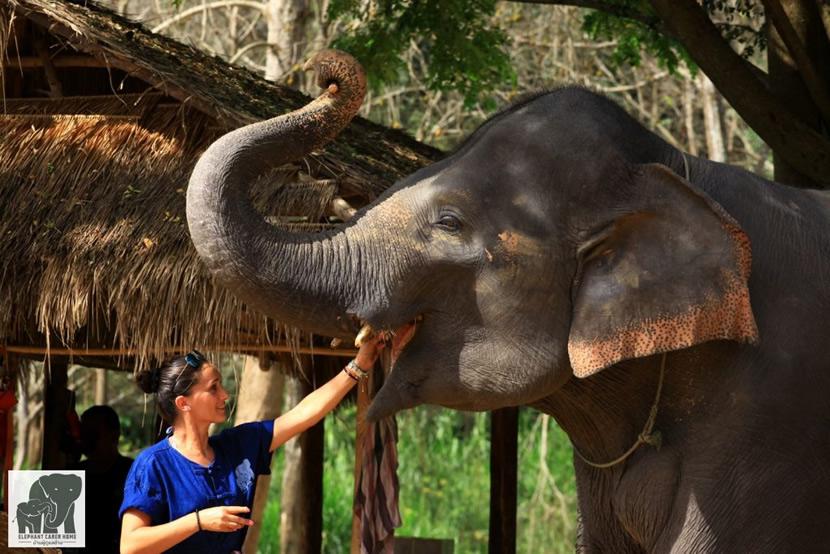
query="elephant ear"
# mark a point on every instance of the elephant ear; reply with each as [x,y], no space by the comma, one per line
[668,272]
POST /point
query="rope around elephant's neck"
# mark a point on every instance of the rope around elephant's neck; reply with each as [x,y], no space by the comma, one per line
[647,436]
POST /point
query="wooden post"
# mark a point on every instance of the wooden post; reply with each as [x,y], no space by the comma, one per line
[302,506]
[55,406]
[312,478]
[11,373]
[504,441]
[362,407]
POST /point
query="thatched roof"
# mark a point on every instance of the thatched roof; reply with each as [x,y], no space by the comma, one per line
[95,249]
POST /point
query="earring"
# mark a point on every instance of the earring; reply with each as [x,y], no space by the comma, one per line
[186,409]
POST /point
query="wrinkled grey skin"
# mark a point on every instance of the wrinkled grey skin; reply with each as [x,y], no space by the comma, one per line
[555,257]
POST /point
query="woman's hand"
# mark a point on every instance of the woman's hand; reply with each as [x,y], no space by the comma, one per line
[369,352]
[224,519]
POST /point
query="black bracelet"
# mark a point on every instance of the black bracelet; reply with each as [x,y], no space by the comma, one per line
[198,521]
[351,373]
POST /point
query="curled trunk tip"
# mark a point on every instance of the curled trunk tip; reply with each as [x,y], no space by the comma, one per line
[342,77]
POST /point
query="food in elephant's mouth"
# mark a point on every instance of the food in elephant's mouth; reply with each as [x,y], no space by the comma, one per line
[400,337]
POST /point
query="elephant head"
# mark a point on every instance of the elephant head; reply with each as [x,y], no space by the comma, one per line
[540,249]
[59,490]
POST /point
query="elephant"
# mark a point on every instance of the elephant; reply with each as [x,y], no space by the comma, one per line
[59,491]
[668,311]
[30,515]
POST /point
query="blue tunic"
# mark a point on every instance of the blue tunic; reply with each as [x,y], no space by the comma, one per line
[165,485]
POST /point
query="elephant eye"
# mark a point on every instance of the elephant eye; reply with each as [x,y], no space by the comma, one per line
[448,222]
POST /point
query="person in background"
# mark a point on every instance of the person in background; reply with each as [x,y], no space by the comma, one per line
[106,471]
[192,492]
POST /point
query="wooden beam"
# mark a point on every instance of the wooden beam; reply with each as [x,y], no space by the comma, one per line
[504,446]
[35,62]
[42,48]
[316,351]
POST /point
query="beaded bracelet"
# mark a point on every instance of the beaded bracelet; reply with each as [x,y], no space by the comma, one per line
[198,521]
[355,371]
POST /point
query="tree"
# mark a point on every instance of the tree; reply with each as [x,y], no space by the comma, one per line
[788,105]
[260,398]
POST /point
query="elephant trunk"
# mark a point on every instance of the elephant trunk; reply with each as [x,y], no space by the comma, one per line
[56,514]
[296,278]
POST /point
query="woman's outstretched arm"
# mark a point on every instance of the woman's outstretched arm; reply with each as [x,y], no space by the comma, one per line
[316,405]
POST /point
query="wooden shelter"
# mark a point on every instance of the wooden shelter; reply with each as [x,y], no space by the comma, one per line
[102,122]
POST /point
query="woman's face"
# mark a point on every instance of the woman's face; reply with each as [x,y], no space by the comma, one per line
[208,398]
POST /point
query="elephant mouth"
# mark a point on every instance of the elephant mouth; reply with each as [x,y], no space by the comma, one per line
[397,338]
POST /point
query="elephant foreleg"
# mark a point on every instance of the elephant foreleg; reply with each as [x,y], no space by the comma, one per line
[24,525]
[69,523]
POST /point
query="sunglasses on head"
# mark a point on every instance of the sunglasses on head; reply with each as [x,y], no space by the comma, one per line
[195,359]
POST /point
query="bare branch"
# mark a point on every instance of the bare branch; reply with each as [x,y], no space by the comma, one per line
[204,8]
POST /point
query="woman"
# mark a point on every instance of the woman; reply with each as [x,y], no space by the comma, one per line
[192,493]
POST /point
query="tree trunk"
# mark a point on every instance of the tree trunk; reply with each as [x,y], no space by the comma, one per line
[259,399]
[286,28]
[774,121]
[786,77]
[711,119]
[689,115]
[100,387]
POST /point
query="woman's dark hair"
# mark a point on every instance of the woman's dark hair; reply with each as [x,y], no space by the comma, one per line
[174,377]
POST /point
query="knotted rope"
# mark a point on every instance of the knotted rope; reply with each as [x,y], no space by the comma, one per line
[647,436]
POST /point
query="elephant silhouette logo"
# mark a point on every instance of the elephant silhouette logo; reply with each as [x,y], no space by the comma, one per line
[244,475]
[45,507]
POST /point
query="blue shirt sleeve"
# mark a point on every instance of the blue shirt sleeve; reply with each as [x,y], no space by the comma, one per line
[143,489]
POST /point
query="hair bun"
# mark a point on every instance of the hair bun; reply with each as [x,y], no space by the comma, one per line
[148,380]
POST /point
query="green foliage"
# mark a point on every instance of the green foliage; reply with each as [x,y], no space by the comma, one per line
[737,21]
[463,49]
[633,36]
[444,475]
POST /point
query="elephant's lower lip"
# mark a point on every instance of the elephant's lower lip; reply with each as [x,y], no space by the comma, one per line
[401,337]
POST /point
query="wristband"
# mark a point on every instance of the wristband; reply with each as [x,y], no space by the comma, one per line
[357,369]
[198,521]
